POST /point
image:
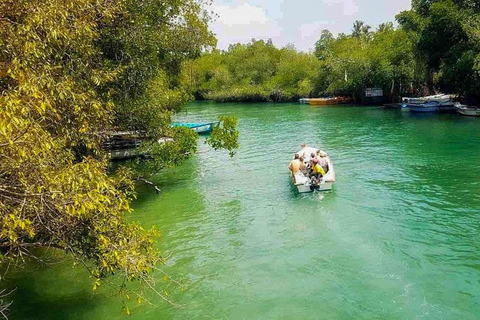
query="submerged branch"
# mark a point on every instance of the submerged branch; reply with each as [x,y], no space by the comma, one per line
[157,189]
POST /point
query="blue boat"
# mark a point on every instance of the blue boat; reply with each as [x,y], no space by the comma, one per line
[200,128]
[436,103]
[432,106]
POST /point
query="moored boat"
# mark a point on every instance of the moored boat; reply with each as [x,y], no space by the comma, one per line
[329,101]
[123,145]
[430,106]
[437,103]
[304,101]
[468,111]
[302,180]
[200,128]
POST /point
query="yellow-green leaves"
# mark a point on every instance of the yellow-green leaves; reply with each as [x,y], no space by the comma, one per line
[13,228]
[71,72]
[225,136]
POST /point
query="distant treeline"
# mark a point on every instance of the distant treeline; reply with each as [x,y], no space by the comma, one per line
[436,47]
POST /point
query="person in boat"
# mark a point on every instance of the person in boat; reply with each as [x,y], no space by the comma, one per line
[305,151]
[303,166]
[295,166]
[313,157]
[317,171]
[322,160]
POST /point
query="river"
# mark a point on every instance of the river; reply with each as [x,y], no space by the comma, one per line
[397,238]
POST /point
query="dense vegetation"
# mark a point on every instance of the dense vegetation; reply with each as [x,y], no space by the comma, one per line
[435,48]
[254,72]
[71,73]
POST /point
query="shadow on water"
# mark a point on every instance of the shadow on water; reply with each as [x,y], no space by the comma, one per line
[32,299]
[167,181]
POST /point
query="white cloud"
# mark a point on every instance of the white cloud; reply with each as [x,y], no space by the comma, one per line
[241,23]
[350,7]
[296,21]
[309,30]
[244,14]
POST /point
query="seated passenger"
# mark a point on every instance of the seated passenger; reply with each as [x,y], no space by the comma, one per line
[317,171]
[295,165]
[303,166]
[322,160]
[313,157]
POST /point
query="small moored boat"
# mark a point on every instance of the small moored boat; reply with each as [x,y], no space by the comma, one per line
[124,145]
[205,127]
[468,111]
[436,103]
[305,184]
[329,101]
[304,101]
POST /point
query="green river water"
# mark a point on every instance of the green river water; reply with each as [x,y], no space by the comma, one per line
[397,238]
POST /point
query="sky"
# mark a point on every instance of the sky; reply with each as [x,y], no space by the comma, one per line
[297,22]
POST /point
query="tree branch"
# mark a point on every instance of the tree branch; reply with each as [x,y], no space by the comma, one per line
[157,189]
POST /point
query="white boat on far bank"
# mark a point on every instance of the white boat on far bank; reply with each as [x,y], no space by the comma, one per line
[302,180]
[468,111]
[304,101]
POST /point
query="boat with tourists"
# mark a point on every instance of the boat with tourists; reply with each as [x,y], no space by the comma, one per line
[307,182]
[467,110]
[198,127]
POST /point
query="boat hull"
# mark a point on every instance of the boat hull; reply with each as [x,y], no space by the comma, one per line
[307,188]
[470,112]
[329,101]
[439,103]
[423,109]
[200,128]
[204,129]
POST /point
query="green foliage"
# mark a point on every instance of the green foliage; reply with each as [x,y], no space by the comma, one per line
[253,72]
[225,136]
[361,30]
[149,42]
[165,153]
[345,65]
[349,64]
[436,48]
[447,43]
[323,47]
[71,71]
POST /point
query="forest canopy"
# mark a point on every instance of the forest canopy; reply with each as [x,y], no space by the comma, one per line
[434,48]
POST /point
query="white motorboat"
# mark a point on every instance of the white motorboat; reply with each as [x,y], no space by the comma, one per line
[304,101]
[302,181]
[467,111]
